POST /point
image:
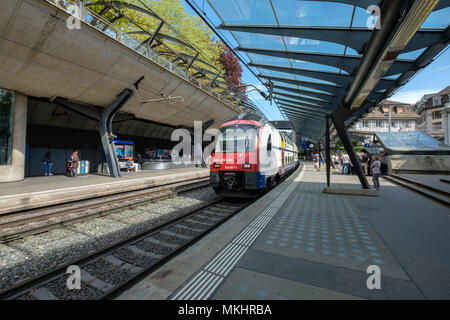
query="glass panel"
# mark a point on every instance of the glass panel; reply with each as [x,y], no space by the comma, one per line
[413,55]
[261,41]
[393,77]
[438,19]
[6,125]
[276,74]
[312,13]
[388,139]
[351,52]
[302,78]
[245,11]
[362,17]
[313,66]
[284,84]
[426,139]
[262,59]
[309,45]
[297,95]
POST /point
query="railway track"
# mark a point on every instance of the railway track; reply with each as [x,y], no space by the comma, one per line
[16,225]
[106,272]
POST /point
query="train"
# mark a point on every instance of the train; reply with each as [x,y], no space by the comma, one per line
[250,156]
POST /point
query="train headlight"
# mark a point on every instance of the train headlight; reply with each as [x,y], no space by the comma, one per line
[216,165]
[247,166]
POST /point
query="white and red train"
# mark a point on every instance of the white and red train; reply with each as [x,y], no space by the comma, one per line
[250,155]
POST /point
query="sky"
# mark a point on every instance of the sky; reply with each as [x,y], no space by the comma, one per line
[431,79]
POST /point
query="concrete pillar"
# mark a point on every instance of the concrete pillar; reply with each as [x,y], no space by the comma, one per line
[16,171]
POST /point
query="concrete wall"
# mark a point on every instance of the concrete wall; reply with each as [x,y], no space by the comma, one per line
[16,170]
[418,163]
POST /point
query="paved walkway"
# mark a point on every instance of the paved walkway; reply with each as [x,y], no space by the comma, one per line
[299,243]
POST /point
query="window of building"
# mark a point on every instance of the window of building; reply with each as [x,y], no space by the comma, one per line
[437,126]
[6,125]
[385,109]
[436,101]
[399,110]
[365,124]
[436,114]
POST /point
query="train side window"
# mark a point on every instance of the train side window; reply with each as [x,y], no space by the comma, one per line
[269,143]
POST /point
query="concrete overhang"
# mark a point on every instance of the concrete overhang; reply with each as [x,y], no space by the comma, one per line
[41,57]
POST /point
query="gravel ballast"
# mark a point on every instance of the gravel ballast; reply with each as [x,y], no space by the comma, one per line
[34,255]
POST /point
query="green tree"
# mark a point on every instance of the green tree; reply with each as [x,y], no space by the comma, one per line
[179,24]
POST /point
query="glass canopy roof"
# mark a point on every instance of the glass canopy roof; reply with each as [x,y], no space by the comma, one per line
[410,141]
[312,49]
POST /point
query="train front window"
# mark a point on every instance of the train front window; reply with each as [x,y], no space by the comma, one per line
[238,138]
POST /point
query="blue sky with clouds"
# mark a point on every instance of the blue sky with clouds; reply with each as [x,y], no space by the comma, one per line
[431,79]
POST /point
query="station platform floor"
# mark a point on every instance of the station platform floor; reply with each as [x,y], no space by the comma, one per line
[48,190]
[297,242]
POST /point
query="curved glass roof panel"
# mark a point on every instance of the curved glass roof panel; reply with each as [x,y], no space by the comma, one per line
[412,54]
[314,66]
[259,41]
[327,36]
[284,84]
[310,45]
[281,92]
[439,19]
[312,13]
[271,73]
[257,12]
[363,18]
[275,61]
[315,80]
[351,52]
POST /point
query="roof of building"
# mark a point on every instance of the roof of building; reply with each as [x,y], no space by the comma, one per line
[377,114]
[442,92]
[390,102]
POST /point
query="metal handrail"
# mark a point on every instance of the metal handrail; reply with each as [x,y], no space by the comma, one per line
[93,19]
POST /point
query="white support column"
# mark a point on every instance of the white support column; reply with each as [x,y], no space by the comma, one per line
[16,171]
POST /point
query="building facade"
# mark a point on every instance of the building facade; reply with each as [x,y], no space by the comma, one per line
[402,115]
[430,110]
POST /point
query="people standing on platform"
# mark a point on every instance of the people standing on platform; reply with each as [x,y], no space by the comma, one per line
[316,162]
[376,172]
[48,163]
[365,160]
[75,163]
[345,164]
[339,161]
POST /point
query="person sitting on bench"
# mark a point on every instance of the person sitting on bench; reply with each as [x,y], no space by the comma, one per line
[130,166]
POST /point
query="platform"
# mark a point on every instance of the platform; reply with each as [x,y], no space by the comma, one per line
[430,180]
[49,190]
[297,242]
